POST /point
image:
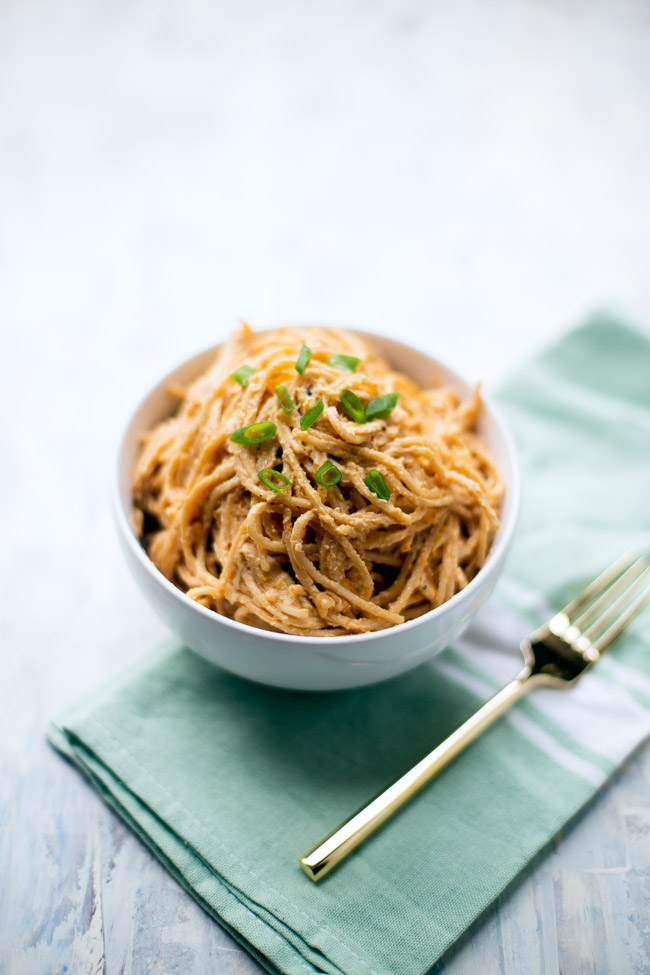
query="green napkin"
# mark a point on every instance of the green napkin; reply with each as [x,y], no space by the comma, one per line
[229,782]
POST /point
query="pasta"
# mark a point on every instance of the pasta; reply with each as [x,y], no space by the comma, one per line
[305,487]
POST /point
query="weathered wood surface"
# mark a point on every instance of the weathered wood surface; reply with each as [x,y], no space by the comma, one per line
[472,177]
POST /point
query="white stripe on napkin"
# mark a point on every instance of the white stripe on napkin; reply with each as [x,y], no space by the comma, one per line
[597,713]
[525,726]
[627,676]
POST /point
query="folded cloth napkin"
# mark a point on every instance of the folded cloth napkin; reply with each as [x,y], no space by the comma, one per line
[229,782]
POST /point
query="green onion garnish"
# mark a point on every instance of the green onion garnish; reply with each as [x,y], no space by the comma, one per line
[266,475]
[353,406]
[311,417]
[303,359]
[254,433]
[242,375]
[347,363]
[381,406]
[284,398]
[328,474]
[375,481]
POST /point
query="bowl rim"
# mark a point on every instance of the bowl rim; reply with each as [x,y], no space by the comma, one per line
[498,549]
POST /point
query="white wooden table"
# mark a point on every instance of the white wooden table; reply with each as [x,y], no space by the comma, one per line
[471,176]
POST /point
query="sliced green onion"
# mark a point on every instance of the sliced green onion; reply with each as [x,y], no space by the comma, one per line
[381,406]
[303,359]
[347,363]
[328,474]
[242,375]
[284,398]
[266,475]
[375,481]
[309,418]
[254,433]
[353,406]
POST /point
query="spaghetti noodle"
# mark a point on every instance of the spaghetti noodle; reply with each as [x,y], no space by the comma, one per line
[305,487]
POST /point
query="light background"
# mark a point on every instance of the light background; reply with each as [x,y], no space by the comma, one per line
[471,177]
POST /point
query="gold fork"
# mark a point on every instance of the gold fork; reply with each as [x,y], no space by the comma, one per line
[555,655]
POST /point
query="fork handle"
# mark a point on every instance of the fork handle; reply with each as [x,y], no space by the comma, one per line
[336,845]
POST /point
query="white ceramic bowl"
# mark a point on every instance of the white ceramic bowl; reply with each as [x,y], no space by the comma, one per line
[316,663]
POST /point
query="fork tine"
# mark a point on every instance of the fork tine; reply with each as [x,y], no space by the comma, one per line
[617,607]
[600,583]
[593,611]
[613,631]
